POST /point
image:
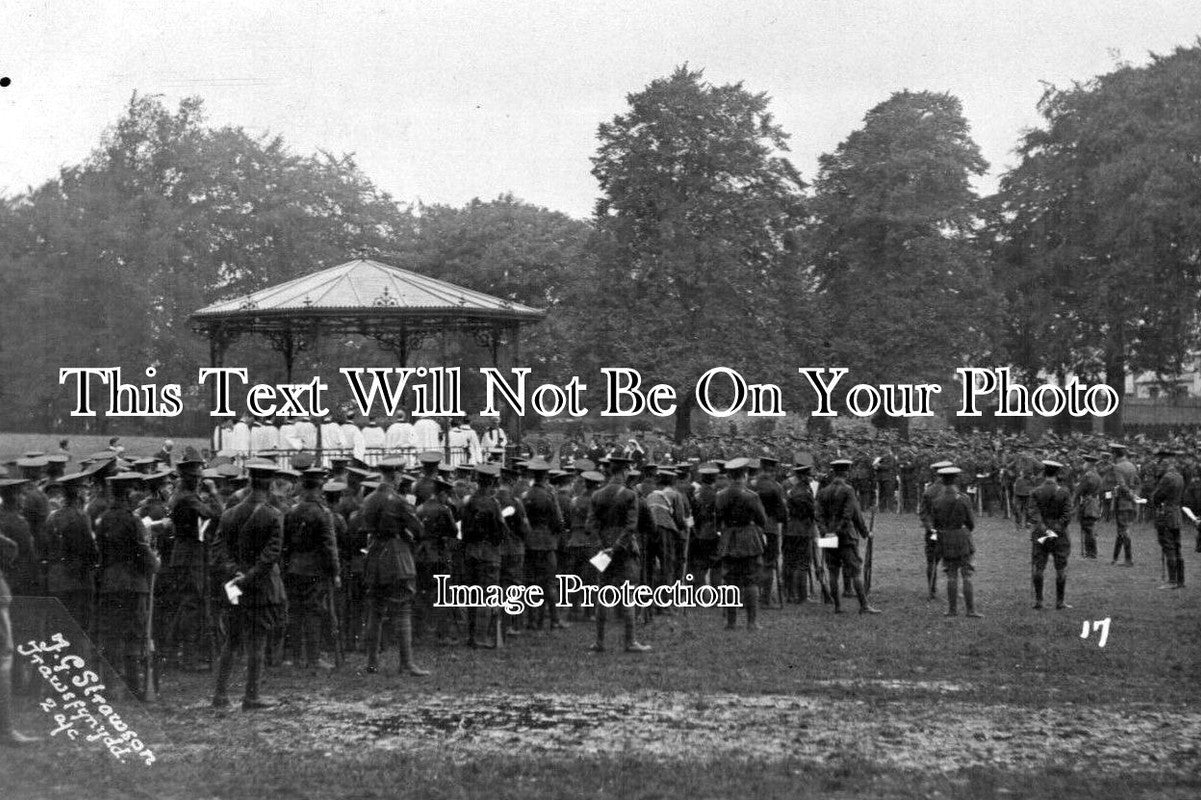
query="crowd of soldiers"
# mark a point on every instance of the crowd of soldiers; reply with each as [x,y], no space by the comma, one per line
[186,561]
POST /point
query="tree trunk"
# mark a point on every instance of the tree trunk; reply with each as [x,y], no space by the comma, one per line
[684,418]
[1115,377]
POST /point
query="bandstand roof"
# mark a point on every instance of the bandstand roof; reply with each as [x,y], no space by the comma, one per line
[358,295]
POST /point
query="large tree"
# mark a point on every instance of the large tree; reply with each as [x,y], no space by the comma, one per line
[516,251]
[893,244]
[1102,220]
[103,264]
[697,261]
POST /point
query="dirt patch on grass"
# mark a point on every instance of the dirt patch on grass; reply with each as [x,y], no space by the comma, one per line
[940,735]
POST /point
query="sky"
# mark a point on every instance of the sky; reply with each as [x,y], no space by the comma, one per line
[443,102]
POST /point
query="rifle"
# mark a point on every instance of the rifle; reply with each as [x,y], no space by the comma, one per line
[334,628]
[206,622]
[867,561]
[150,690]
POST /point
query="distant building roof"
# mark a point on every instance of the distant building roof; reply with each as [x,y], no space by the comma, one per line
[366,287]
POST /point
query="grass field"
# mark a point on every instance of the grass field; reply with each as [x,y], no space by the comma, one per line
[904,704]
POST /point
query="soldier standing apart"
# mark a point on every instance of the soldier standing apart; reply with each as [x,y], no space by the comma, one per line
[613,514]
[838,515]
[1166,503]
[390,574]
[247,548]
[933,546]
[952,525]
[1126,488]
[741,519]
[310,559]
[1088,501]
[1051,513]
[127,562]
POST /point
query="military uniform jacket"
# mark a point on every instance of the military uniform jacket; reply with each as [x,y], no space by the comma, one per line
[1052,509]
[126,558]
[741,519]
[23,568]
[35,507]
[771,494]
[71,551]
[250,539]
[838,513]
[1166,500]
[354,544]
[310,544]
[802,511]
[1126,484]
[1088,495]
[393,527]
[925,506]
[581,534]
[951,516]
[8,554]
[517,524]
[187,509]
[483,528]
[613,515]
[546,522]
[438,526]
[667,509]
[705,511]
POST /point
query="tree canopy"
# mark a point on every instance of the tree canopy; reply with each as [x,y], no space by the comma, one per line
[697,260]
[1102,218]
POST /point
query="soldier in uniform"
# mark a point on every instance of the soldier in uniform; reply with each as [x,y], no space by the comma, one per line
[771,494]
[613,514]
[1165,502]
[127,563]
[933,546]
[797,542]
[546,526]
[390,574]
[838,515]
[24,570]
[512,549]
[1126,488]
[1051,513]
[247,549]
[669,516]
[951,523]
[433,557]
[702,551]
[9,549]
[71,553]
[194,505]
[584,542]
[483,531]
[741,519]
[310,566]
[1088,501]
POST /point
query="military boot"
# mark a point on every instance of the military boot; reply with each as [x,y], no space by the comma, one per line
[405,634]
[969,598]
